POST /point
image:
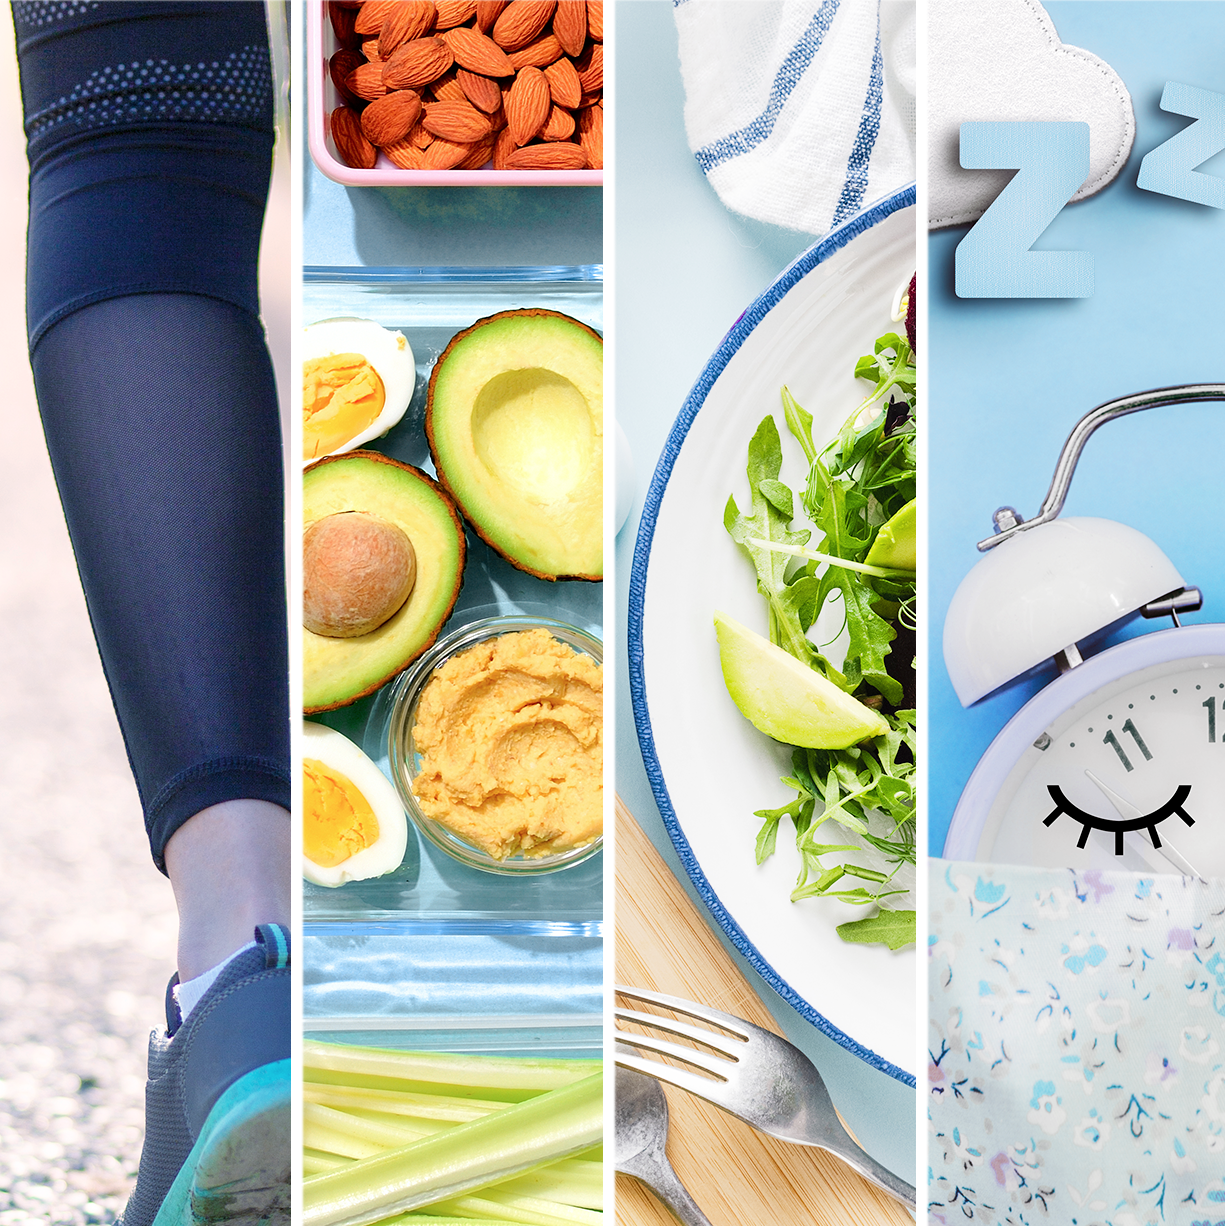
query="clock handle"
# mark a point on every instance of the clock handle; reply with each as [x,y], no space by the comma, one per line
[1008,523]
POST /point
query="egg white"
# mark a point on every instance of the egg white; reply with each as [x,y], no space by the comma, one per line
[386,853]
[388,352]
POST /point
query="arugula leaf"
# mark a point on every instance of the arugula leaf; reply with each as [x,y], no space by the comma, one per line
[770,517]
[854,809]
[892,928]
[889,371]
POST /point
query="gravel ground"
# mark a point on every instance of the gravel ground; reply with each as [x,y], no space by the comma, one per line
[86,922]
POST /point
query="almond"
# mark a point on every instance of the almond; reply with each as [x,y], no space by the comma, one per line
[570,25]
[503,147]
[591,74]
[484,94]
[487,12]
[391,118]
[556,156]
[366,82]
[521,21]
[341,66]
[478,53]
[417,63]
[372,14]
[595,19]
[538,54]
[447,89]
[405,155]
[591,135]
[559,125]
[410,19]
[527,102]
[354,149]
[480,154]
[370,49]
[456,121]
[498,120]
[564,87]
[343,20]
[454,13]
[419,138]
[444,154]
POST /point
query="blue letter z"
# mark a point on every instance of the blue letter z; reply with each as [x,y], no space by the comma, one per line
[1170,168]
[994,260]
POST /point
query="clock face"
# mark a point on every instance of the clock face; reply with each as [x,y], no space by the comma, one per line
[1130,777]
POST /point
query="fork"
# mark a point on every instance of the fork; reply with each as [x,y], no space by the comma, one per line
[761,1079]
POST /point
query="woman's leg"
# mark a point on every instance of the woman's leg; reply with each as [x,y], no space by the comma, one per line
[161,420]
[236,851]
[149,131]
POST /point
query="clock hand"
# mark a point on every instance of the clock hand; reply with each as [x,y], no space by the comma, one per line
[1126,809]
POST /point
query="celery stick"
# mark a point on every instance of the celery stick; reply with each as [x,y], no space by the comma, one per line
[529,1213]
[432,1219]
[559,1124]
[487,1072]
[423,1106]
[424,1128]
[329,1141]
[566,1183]
[316,1162]
[319,1076]
[340,1133]
[512,1205]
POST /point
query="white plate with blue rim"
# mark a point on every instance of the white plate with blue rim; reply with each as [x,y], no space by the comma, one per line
[709,768]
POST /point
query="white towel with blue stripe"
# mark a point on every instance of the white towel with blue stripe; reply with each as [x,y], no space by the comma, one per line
[799,113]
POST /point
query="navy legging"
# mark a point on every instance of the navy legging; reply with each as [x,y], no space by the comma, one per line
[150,136]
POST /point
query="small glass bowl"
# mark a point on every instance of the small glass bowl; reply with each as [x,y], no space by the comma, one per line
[405,762]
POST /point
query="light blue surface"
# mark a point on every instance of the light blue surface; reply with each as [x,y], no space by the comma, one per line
[1009,378]
[428,226]
[685,269]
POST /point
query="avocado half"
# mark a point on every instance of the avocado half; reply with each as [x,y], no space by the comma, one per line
[338,671]
[515,419]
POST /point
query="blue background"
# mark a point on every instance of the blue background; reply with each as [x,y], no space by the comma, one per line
[1009,378]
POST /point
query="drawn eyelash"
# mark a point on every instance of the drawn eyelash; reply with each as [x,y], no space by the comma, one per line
[1120,826]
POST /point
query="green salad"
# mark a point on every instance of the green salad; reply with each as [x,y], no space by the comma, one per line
[844,548]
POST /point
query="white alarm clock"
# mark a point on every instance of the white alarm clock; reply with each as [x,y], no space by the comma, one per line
[1120,761]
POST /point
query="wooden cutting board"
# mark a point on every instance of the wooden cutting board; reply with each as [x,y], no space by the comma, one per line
[737,1176]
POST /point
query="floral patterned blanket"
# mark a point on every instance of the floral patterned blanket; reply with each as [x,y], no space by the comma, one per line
[1077,1047]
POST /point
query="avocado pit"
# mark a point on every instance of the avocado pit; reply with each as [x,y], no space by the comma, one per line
[358,570]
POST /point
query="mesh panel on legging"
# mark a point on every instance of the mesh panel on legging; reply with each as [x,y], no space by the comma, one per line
[150,139]
[161,420]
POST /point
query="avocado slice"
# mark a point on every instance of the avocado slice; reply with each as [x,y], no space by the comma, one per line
[897,541]
[338,671]
[785,698]
[515,419]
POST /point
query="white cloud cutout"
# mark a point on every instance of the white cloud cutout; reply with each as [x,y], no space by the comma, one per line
[1002,60]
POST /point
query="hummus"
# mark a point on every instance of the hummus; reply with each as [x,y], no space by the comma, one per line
[510,734]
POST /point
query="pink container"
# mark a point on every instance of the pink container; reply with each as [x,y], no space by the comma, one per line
[323,99]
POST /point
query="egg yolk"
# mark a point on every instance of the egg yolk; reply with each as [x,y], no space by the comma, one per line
[342,394]
[339,821]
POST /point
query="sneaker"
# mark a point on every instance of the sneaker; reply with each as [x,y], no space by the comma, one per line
[217,1100]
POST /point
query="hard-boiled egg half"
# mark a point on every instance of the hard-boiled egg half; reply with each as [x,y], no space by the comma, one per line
[357,379]
[353,822]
